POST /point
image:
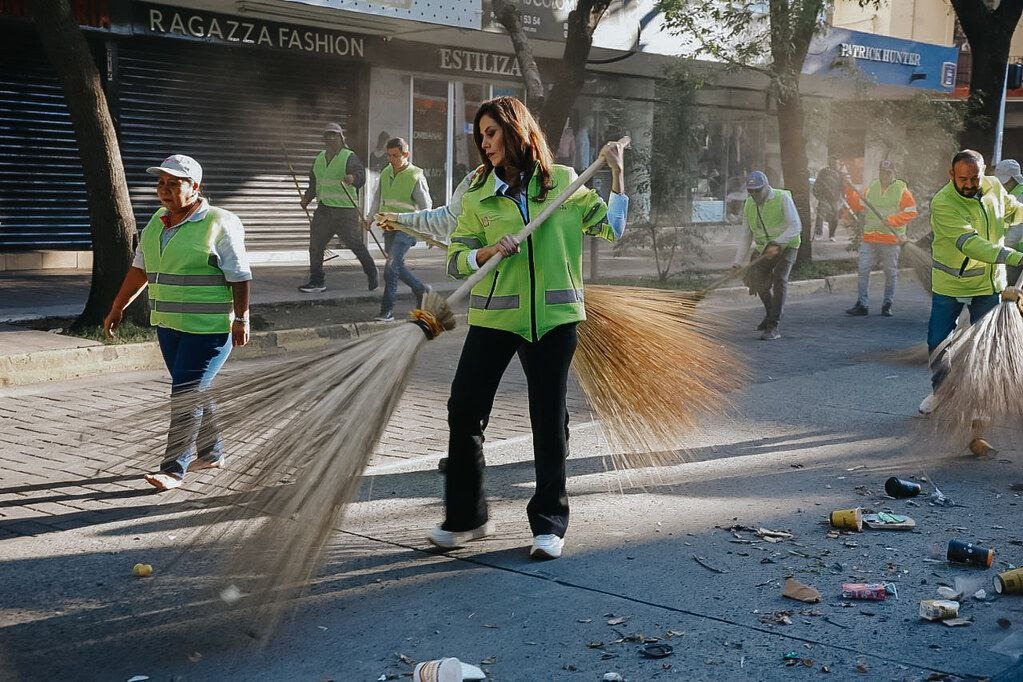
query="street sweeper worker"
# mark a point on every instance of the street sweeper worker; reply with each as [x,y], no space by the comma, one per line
[192,257]
[529,306]
[969,217]
[882,234]
[437,223]
[402,187]
[1008,173]
[334,181]
[773,229]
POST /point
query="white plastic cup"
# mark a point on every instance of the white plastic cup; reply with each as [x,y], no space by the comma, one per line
[440,670]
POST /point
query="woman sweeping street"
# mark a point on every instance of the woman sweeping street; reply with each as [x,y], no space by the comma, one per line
[529,306]
[192,257]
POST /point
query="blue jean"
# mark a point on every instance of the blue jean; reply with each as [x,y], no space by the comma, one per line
[888,254]
[397,245]
[192,360]
[944,313]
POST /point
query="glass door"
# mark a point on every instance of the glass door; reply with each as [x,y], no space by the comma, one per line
[430,134]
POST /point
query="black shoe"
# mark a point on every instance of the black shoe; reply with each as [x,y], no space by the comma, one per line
[312,288]
[886,310]
[374,281]
[442,465]
[858,310]
[770,334]
[764,324]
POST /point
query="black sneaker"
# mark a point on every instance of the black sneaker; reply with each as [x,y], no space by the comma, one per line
[385,316]
[770,334]
[858,310]
[764,324]
[312,288]
[886,310]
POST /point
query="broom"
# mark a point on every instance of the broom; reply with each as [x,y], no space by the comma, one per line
[313,420]
[919,259]
[985,379]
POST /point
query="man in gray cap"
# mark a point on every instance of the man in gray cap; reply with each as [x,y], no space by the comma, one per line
[334,181]
[1008,173]
[774,230]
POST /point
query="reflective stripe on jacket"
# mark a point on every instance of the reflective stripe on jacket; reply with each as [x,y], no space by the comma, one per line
[540,287]
[767,222]
[396,190]
[187,291]
[330,178]
[968,255]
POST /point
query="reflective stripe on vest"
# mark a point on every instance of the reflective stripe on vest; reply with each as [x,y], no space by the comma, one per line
[563,296]
[767,222]
[187,293]
[494,303]
[396,190]
[975,272]
[330,178]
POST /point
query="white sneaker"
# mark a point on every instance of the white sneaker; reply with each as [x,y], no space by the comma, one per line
[384,317]
[446,539]
[164,481]
[929,403]
[546,547]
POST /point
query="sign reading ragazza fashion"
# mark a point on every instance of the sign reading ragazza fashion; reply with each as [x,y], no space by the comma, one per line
[220,28]
[877,54]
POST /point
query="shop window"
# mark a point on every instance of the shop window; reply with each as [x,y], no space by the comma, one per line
[430,134]
[468,97]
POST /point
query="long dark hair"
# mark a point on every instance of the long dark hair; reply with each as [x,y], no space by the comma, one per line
[526,147]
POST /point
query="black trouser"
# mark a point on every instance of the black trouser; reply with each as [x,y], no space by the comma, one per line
[769,278]
[485,356]
[344,222]
[826,213]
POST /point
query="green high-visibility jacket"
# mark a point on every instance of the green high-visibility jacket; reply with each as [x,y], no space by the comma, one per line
[968,255]
[768,223]
[888,203]
[396,190]
[330,185]
[541,287]
[187,291]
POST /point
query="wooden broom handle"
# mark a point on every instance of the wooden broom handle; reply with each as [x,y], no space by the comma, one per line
[475,278]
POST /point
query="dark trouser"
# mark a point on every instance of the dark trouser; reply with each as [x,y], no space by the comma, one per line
[944,312]
[485,356]
[769,278]
[397,245]
[1012,273]
[344,222]
[826,213]
[193,360]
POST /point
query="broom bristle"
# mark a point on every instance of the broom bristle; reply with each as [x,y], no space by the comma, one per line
[652,369]
[985,380]
[921,262]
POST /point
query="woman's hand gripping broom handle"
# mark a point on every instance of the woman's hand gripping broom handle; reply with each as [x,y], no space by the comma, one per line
[463,291]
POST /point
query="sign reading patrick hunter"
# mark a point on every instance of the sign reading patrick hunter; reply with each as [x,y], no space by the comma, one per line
[220,28]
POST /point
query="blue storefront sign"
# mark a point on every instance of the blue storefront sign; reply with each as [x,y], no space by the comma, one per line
[842,53]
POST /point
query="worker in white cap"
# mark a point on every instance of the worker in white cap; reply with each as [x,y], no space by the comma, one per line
[191,256]
[774,229]
[334,182]
[1008,173]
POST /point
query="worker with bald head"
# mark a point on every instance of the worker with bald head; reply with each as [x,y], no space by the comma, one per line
[970,217]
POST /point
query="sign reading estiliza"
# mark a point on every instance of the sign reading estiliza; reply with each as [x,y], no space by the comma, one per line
[878,54]
[219,28]
[479,62]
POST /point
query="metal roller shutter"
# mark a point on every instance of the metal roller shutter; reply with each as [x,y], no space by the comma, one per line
[42,192]
[232,109]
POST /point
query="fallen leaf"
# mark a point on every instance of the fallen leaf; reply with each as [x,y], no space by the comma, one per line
[766,533]
[800,592]
[594,645]
[861,668]
[618,620]
[489,660]
[569,667]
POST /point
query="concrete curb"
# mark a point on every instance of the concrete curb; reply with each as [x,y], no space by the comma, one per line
[74,363]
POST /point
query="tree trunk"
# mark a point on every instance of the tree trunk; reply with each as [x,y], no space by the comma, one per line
[110,215]
[989,33]
[794,163]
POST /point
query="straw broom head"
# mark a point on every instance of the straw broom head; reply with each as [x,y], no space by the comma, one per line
[651,369]
[920,261]
[985,381]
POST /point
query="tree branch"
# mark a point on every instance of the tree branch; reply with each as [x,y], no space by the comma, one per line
[508,15]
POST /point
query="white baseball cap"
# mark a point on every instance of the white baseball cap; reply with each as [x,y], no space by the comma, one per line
[180,166]
[1008,168]
[333,128]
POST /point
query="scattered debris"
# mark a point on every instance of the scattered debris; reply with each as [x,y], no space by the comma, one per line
[703,562]
[862,668]
[657,651]
[953,622]
[1009,582]
[142,570]
[490,626]
[138,678]
[570,667]
[613,677]
[231,594]
[594,645]
[489,660]
[195,657]
[617,620]
[1004,623]
[961,552]
[773,535]
[900,488]
[777,618]
[847,519]
[828,619]
[584,620]
[938,609]
[888,521]
[673,633]
[868,591]
[796,590]
[405,659]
